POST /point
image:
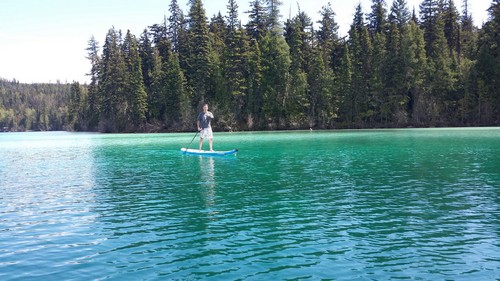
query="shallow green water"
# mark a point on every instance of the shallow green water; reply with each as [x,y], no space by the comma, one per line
[418,204]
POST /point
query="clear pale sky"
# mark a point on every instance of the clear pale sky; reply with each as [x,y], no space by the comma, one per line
[45,40]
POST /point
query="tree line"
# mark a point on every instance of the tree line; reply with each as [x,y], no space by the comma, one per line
[34,107]
[394,69]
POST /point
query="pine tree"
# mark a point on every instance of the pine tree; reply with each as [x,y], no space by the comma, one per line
[157,92]
[327,36]
[428,20]
[299,41]
[324,105]
[415,69]
[74,107]
[233,22]
[146,54]
[306,36]
[183,49]
[112,86]
[235,61]
[343,88]
[275,79]
[468,34]
[378,17]
[175,25]
[218,84]
[92,115]
[254,96]
[198,57]
[361,51]
[467,53]
[378,90]
[177,100]
[240,107]
[395,104]
[136,99]
[442,64]
[160,39]
[218,28]
[400,14]
[452,27]
[273,15]
[488,73]
[414,16]
[257,20]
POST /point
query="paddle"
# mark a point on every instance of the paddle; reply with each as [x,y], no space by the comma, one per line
[191,142]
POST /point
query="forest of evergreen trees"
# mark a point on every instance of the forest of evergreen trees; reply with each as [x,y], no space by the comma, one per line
[394,69]
[37,107]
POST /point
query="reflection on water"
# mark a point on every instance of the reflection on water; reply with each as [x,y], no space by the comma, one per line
[207,180]
[342,205]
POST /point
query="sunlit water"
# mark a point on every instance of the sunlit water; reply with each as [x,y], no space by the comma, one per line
[418,204]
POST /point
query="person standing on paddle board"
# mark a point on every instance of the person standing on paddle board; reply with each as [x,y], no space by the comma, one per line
[204,126]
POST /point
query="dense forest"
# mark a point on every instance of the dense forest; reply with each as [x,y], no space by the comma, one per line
[394,69]
[37,107]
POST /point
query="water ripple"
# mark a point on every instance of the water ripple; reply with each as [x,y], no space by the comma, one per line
[338,206]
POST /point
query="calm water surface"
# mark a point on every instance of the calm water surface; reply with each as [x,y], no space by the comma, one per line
[417,204]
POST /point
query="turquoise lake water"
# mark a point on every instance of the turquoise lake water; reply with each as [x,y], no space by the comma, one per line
[419,204]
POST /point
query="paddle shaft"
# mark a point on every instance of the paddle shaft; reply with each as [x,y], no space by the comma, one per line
[191,142]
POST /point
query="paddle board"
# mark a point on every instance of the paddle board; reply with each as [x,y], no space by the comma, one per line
[208,152]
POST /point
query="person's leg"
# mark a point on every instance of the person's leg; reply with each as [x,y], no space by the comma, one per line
[201,143]
[210,137]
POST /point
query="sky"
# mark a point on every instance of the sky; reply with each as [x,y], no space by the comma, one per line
[44,41]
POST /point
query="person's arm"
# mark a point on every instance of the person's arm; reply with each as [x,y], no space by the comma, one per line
[210,114]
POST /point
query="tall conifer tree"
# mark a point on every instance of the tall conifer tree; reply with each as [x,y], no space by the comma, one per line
[112,86]
[441,78]
[198,59]
[177,113]
[378,90]
[93,90]
[236,60]
[156,93]
[343,86]
[396,98]
[254,96]
[74,107]
[218,83]
[416,70]
[428,21]
[257,20]
[323,104]
[361,48]
[468,34]
[327,36]
[137,96]
[400,14]
[452,27]
[175,25]
[146,54]
[488,72]
[298,40]
[275,79]
[378,17]
[274,15]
